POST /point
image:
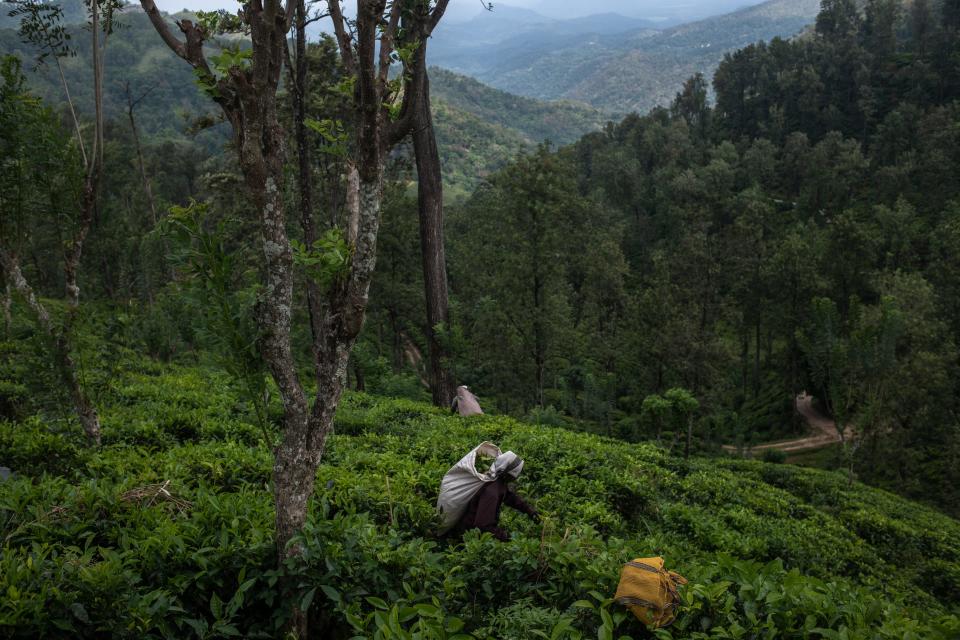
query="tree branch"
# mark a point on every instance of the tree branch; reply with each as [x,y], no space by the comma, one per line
[11,270]
[387,41]
[162,28]
[343,38]
[435,16]
[195,35]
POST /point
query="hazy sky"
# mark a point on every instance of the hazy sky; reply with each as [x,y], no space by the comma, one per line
[465,9]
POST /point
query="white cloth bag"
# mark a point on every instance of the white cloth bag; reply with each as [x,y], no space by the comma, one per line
[463,481]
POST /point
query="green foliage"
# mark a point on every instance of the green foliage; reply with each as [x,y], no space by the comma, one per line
[679,250]
[35,152]
[327,260]
[231,58]
[219,22]
[852,365]
[41,24]
[333,134]
[535,120]
[225,293]
[775,456]
[90,549]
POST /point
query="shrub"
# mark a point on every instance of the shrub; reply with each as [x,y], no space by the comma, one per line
[774,456]
[770,550]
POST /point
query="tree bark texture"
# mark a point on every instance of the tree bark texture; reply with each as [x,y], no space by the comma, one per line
[297,68]
[430,209]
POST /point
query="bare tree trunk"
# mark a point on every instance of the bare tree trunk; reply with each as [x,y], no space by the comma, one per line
[297,68]
[358,375]
[60,343]
[147,190]
[301,449]
[430,200]
[744,362]
[295,461]
[756,359]
[7,301]
[352,203]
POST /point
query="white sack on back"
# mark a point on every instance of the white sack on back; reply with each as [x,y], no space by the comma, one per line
[463,481]
[467,403]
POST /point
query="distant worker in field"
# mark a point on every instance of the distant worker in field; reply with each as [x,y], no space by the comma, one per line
[470,499]
[466,403]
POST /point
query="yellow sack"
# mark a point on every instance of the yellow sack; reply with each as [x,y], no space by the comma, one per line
[650,591]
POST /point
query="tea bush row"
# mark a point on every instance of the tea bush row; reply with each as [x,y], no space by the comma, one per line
[771,551]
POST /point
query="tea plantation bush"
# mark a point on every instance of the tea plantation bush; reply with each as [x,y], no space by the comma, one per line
[771,551]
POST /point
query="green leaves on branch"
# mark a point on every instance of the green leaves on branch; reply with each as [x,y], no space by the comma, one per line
[231,57]
[346,86]
[403,55]
[326,261]
[407,620]
[41,25]
[221,21]
[333,133]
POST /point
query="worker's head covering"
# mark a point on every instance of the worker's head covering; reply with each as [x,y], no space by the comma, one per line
[508,465]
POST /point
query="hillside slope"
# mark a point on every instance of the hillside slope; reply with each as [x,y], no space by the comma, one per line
[535,120]
[771,551]
[631,70]
[479,128]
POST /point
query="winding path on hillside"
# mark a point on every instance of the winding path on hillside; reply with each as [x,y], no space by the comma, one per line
[824,432]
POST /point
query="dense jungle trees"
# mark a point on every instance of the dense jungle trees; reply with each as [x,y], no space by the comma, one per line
[792,237]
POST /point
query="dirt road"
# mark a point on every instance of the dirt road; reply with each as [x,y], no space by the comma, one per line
[824,432]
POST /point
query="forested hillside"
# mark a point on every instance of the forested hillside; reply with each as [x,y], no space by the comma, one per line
[788,238]
[479,129]
[215,358]
[626,69]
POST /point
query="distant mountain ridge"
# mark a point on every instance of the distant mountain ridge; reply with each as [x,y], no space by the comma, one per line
[624,70]
[610,61]
[506,35]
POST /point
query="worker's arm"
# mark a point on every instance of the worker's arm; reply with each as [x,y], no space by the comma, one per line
[497,532]
[518,503]
[454,404]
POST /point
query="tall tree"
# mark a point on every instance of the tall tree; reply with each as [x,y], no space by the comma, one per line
[430,209]
[514,269]
[852,365]
[245,86]
[42,27]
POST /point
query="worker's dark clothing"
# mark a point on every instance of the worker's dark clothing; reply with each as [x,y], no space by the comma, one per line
[483,512]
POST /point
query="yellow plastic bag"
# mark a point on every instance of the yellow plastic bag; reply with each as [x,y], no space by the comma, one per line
[650,591]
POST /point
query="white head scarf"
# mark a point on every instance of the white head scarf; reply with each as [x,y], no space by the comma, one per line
[507,463]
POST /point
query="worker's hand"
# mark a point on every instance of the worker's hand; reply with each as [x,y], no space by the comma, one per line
[535,516]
